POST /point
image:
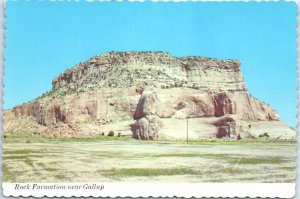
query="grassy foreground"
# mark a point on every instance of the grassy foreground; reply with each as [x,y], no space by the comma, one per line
[121,159]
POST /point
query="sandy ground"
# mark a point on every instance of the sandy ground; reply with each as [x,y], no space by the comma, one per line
[138,161]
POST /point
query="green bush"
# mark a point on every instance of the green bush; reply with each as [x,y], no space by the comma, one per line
[119,135]
[111,133]
[264,135]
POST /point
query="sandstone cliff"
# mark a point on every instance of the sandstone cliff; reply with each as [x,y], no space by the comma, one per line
[148,95]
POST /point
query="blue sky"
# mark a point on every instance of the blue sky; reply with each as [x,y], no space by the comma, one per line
[44,38]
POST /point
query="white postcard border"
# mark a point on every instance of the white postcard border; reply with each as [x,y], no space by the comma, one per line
[186,190]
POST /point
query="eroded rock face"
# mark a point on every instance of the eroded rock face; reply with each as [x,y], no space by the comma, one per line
[147,95]
[146,128]
[147,105]
[223,105]
[226,127]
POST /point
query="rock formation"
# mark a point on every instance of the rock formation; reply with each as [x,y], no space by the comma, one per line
[148,95]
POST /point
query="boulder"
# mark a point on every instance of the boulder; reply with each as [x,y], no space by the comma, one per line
[226,127]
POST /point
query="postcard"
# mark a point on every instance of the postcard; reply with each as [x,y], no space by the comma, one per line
[140,99]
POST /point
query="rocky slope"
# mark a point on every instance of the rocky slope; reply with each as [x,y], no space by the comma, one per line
[148,95]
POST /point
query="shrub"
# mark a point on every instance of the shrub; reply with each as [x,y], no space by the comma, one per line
[119,134]
[111,133]
[264,135]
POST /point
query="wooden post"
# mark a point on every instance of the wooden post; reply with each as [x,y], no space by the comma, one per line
[187,131]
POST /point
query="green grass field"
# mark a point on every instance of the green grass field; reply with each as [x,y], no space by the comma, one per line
[118,159]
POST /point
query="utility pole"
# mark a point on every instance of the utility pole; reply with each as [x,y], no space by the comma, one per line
[187,130]
[106,105]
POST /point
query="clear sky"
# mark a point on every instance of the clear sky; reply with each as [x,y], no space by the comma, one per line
[44,38]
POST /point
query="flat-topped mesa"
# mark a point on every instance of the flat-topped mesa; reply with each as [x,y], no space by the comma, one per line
[108,61]
[148,95]
[160,69]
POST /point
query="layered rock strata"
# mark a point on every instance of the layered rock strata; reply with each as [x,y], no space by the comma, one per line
[148,95]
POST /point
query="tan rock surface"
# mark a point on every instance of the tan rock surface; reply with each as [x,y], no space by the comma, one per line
[148,95]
